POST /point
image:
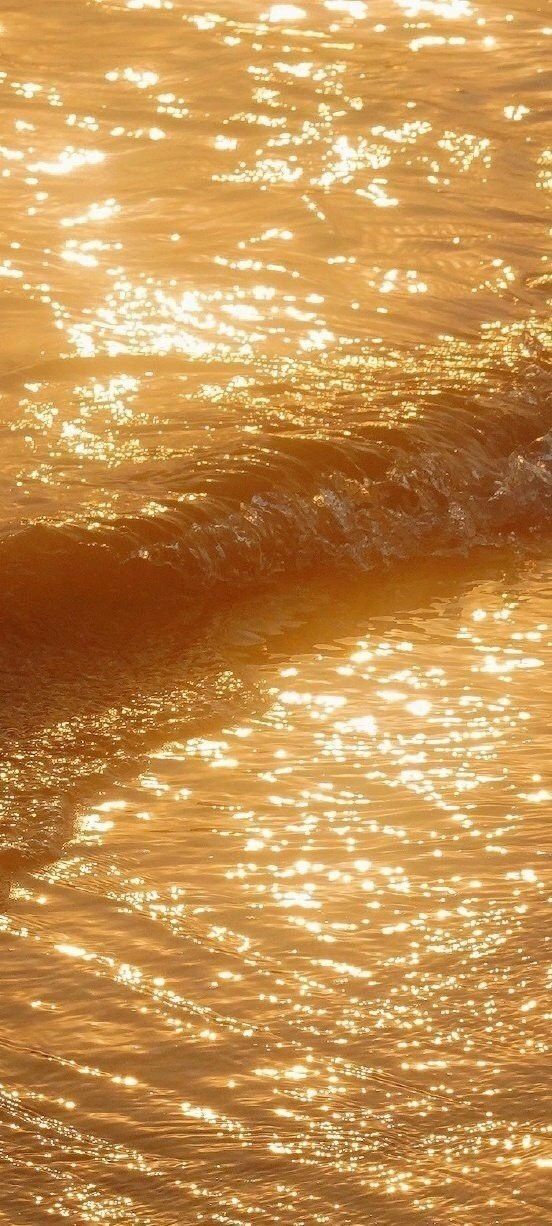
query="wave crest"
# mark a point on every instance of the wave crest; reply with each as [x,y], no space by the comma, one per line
[466,471]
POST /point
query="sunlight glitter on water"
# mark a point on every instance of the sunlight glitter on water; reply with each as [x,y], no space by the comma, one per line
[336,976]
[273,862]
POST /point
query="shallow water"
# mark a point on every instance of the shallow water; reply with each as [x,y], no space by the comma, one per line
[296,967]
[275,506]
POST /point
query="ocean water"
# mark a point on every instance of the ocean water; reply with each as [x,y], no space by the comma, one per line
[275,612]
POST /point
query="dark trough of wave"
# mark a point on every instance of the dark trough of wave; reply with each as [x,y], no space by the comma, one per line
[101,645]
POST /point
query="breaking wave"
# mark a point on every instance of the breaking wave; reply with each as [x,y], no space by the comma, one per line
[93,662]
[461,471]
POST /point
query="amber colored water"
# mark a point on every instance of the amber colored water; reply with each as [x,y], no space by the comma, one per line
[275,612]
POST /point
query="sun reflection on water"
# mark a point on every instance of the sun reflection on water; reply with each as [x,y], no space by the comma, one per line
[288,959]
[336,979]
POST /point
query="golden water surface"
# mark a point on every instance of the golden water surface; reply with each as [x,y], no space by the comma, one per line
[275,721]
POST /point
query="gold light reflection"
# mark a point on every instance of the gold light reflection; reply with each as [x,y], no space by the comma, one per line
[275,941]
[323,144]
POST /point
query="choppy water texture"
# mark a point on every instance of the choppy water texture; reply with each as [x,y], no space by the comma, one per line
[275,605]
